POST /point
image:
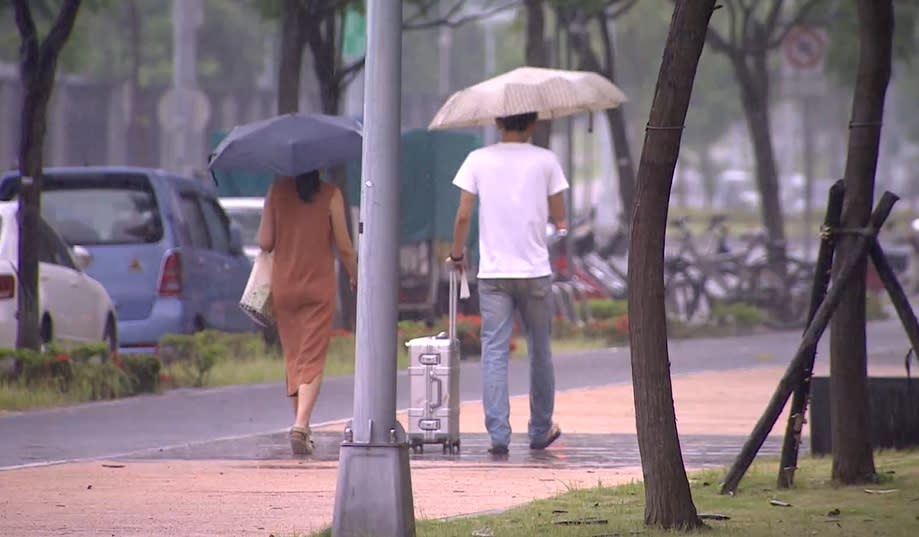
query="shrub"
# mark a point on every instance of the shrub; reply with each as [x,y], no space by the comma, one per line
[409,330]
[143,371]
[738,314]
[607,308]
[469,334]
[565,329]
[101,381]
[194,355]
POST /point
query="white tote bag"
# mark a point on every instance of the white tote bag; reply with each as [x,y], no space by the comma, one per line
[256,299]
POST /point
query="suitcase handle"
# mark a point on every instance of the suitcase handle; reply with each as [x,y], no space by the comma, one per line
[451,308]
[456,291]
[435,381]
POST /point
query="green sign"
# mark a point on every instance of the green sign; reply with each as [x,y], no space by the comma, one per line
[355,35]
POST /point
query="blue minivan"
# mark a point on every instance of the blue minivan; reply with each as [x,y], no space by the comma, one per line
[162,247]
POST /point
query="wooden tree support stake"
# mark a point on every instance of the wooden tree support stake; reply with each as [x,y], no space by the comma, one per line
[897,295]
[796,418]
[792,377]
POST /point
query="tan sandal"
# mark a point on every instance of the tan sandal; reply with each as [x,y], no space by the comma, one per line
[300,441]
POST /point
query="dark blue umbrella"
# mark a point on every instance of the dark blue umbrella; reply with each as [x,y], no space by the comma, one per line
[290,144]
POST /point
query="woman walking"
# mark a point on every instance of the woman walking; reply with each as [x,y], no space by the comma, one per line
[303,217]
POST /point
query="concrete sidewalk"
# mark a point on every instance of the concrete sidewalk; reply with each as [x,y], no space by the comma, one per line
[292,497]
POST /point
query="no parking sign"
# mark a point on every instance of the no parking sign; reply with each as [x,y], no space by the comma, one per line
[803,57]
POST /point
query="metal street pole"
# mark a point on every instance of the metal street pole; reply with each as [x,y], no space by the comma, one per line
[807,132]
[374,492]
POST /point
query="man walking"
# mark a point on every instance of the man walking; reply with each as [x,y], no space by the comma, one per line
[518,186]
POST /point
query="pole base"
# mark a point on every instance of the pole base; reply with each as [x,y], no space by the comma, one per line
[373,496]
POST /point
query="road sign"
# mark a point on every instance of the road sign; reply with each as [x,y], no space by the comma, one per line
[804,48]
[803,57]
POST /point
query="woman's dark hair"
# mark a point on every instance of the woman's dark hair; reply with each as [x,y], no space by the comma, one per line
[518,122]
[307,185]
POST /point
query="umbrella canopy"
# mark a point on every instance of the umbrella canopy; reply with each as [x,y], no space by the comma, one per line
[289,144]
[552,93]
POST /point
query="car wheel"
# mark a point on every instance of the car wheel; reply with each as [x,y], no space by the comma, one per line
[110,335]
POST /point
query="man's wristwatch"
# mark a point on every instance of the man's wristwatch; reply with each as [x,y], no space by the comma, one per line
[456,259]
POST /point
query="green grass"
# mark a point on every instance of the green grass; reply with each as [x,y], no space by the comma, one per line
[812,501]
[14,396]
[563,346]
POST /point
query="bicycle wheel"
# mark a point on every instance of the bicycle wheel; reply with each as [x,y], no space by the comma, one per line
[783,298]
[684,293]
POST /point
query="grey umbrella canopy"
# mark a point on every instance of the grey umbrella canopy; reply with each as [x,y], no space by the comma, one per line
[289,144]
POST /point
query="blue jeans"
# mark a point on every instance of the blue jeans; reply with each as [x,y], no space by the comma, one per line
[498,298]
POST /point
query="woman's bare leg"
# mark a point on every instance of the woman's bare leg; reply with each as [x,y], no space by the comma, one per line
[305,401]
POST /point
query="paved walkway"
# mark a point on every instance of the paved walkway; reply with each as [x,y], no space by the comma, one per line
[189,491]
[180,417]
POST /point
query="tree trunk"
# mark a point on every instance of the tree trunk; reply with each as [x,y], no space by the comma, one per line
[537,56]
[322,36]
[754,91]
[625,165]
[135,134]
[853,460]
[668,499]
[38,64]
[709,171]
[291,60]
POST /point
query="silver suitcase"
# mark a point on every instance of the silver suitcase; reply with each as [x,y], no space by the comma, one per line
[433,414]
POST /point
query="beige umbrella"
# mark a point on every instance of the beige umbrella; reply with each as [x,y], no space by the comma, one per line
[552,93]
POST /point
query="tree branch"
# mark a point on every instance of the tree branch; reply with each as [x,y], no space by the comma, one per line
[60,31]
[616,13]
[747,13]
[799,17]
[773,16]
[452,23]
[607,40]
[717,41]
[28,36]
[349,73]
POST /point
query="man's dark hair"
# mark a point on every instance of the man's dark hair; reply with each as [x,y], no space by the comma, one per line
[517,122]
[307,185]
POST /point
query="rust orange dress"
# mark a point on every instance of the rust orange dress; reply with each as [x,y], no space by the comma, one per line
[303,276]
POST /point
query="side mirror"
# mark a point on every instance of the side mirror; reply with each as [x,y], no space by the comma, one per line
[82,257]
[236,240]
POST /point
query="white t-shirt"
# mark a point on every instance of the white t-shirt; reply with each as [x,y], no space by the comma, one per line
[513,182]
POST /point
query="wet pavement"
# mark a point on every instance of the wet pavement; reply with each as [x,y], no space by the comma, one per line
[252,415]
[569,451]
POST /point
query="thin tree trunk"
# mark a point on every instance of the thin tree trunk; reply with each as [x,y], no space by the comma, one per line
[625,164]
[291,60]
[668,500]
[136,147]
[853,460]
[38,66]
[754,91]
[537,56]
[322,36]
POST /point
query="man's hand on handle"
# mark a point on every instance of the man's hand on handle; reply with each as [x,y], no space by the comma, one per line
[457,262]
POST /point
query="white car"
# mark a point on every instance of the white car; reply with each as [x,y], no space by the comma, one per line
[247,214]
[73,308]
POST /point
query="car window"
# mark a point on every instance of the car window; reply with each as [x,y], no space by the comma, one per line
[217,226]
[96,209]
[52,248]
[248,221]
[194,220]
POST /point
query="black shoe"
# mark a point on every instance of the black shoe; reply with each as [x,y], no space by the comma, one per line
[498,450]
[546,441]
